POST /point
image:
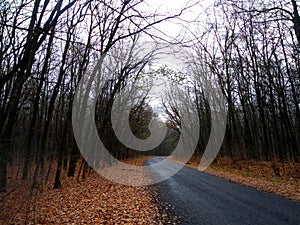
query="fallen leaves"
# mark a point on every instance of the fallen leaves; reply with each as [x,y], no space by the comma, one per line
[259,174]
[94,200]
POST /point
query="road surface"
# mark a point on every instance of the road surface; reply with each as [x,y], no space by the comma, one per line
[200,198]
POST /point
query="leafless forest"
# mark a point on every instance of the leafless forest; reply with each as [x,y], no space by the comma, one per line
[252,48]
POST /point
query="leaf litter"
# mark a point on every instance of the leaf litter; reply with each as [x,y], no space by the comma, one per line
[93,200]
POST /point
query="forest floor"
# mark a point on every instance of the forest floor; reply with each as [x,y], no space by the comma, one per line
[281,178]
[93,200]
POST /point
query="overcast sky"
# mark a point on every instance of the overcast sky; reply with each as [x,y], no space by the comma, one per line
[174,27]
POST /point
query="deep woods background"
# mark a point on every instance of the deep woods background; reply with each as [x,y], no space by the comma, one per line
[251,47]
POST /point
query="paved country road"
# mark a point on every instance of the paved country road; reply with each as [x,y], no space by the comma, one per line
[200,198]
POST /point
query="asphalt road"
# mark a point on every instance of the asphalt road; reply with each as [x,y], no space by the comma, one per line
[200,198]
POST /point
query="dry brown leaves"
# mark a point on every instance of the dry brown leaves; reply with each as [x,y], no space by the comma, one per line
[259,175]
[94,200]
